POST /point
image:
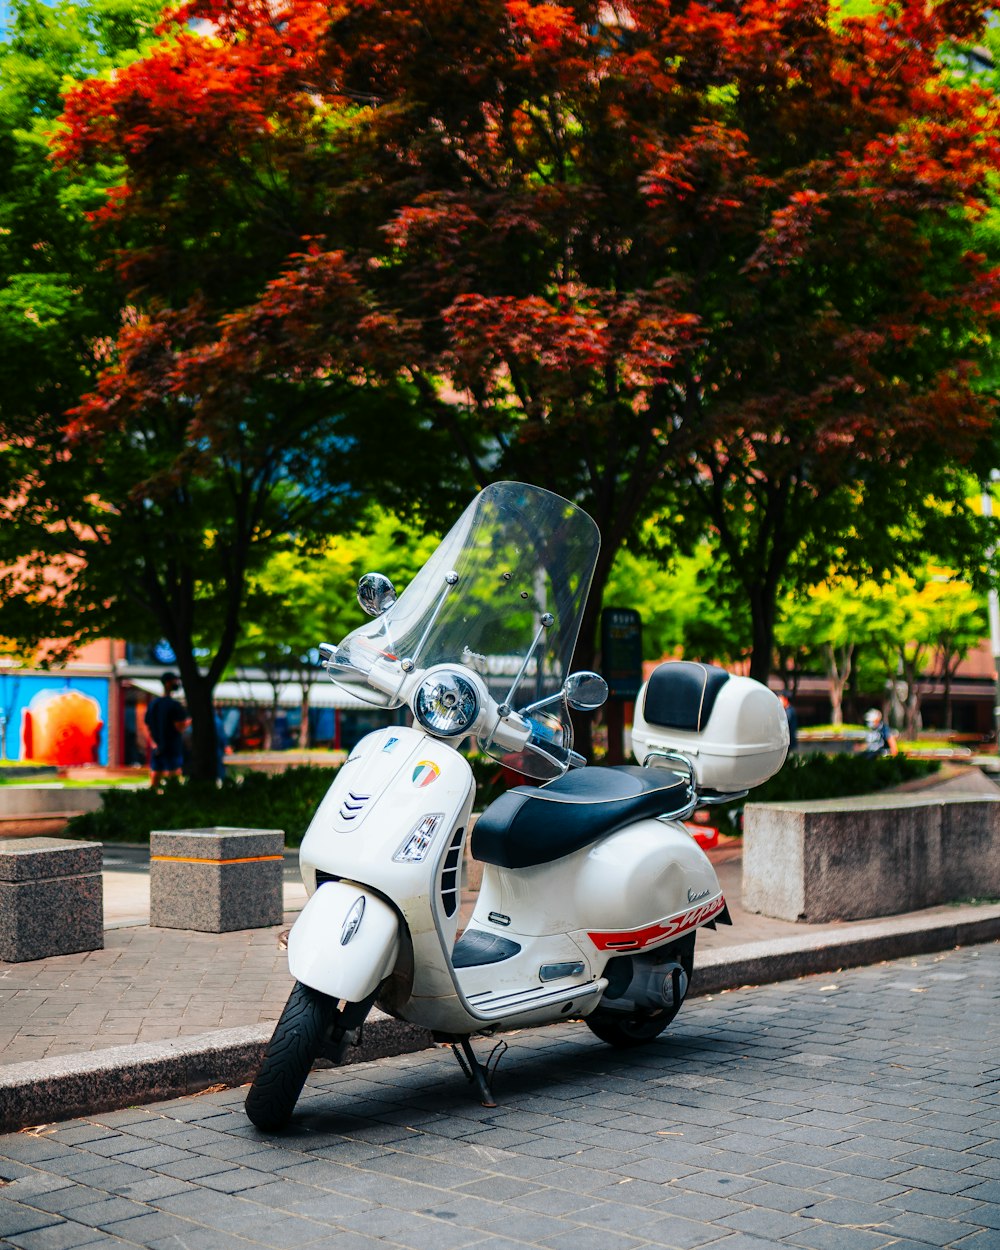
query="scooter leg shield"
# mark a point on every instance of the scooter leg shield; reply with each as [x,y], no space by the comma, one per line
[344,943]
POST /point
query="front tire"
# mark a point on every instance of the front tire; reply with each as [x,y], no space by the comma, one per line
[300,1036]
[626,1030]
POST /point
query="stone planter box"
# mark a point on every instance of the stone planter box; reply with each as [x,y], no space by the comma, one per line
[851,859]
[51,898]
[49,799]
[216,880]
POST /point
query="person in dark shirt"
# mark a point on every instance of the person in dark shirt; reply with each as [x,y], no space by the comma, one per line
[793,722]
[880,739]
[165,722]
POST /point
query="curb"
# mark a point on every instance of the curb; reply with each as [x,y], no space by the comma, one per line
[34,1093]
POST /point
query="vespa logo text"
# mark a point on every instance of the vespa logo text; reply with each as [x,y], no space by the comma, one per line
[697,897]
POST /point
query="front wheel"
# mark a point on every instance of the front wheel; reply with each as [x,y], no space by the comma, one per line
[302,1033]
[626,1029]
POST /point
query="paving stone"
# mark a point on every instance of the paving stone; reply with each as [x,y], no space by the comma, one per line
[680,1233]
[16,1217]
[107,1210]
[985,1239]
[204,1239]
[928,1229]
[834,1237]
[779,1197]
[943,1182]
[700,1207]
[65,1236]
[591,1239]
[59,1199]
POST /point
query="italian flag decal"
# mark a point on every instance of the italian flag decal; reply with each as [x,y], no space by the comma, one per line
[424,773]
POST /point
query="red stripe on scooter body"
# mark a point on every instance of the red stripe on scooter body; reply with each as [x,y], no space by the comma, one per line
[650,935]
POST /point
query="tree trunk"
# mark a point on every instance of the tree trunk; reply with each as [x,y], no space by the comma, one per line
[838,675]
[198,697]
[304,720]
[947,673]
[911,673]
[762,612]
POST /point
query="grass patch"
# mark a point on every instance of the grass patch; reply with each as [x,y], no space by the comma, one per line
[68,783]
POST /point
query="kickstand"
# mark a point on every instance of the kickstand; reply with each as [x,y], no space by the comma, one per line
[474,1070]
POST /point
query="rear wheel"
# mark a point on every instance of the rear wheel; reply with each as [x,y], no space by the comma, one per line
[303,1032]
[626,1029]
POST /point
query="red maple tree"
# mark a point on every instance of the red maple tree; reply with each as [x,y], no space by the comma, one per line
[600,246]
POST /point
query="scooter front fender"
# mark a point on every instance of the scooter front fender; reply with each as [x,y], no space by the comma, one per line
[344,943]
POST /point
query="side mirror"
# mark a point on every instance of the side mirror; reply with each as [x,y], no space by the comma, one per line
[585,691]
[376,594]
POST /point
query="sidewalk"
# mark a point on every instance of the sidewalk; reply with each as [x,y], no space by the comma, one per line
[160,1012]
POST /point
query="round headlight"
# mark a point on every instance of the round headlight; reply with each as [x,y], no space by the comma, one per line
[447,703]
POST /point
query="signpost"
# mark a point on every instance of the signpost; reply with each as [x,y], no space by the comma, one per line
[621,667]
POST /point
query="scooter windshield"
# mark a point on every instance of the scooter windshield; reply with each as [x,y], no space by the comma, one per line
[502,595]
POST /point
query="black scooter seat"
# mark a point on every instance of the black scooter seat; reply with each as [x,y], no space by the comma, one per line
[529,826]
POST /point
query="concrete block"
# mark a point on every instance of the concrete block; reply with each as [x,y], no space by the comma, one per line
[51,898]
[855,858]
[215,880]
[49,799]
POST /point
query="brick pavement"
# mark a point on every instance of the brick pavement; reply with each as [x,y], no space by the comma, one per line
[156,985]
[146,985]
[851,1111]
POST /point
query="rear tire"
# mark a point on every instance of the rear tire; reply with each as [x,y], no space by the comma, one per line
[625,1030]
[300,1036]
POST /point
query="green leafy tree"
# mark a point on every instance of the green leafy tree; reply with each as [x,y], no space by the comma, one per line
[906,628]
[303,597]
[829,621]
[959,622]
[684,608]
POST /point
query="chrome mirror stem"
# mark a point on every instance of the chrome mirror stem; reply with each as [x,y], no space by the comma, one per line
[547,621]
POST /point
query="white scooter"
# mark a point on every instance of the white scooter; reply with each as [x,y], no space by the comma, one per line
[592,888]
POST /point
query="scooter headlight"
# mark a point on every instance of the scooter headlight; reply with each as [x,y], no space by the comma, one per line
[446,703]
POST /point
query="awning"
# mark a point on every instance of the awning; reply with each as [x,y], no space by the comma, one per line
[239,693]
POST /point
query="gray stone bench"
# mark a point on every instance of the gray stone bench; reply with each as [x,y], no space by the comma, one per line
[51,898]
[877,855]
[215,880]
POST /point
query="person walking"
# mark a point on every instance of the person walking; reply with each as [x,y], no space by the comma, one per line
[166,719]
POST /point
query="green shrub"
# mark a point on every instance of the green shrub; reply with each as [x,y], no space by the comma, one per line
[256,801]
[284,800]
[820,776]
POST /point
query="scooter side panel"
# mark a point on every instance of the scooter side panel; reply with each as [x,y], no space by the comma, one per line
[632,879]
[344,942]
